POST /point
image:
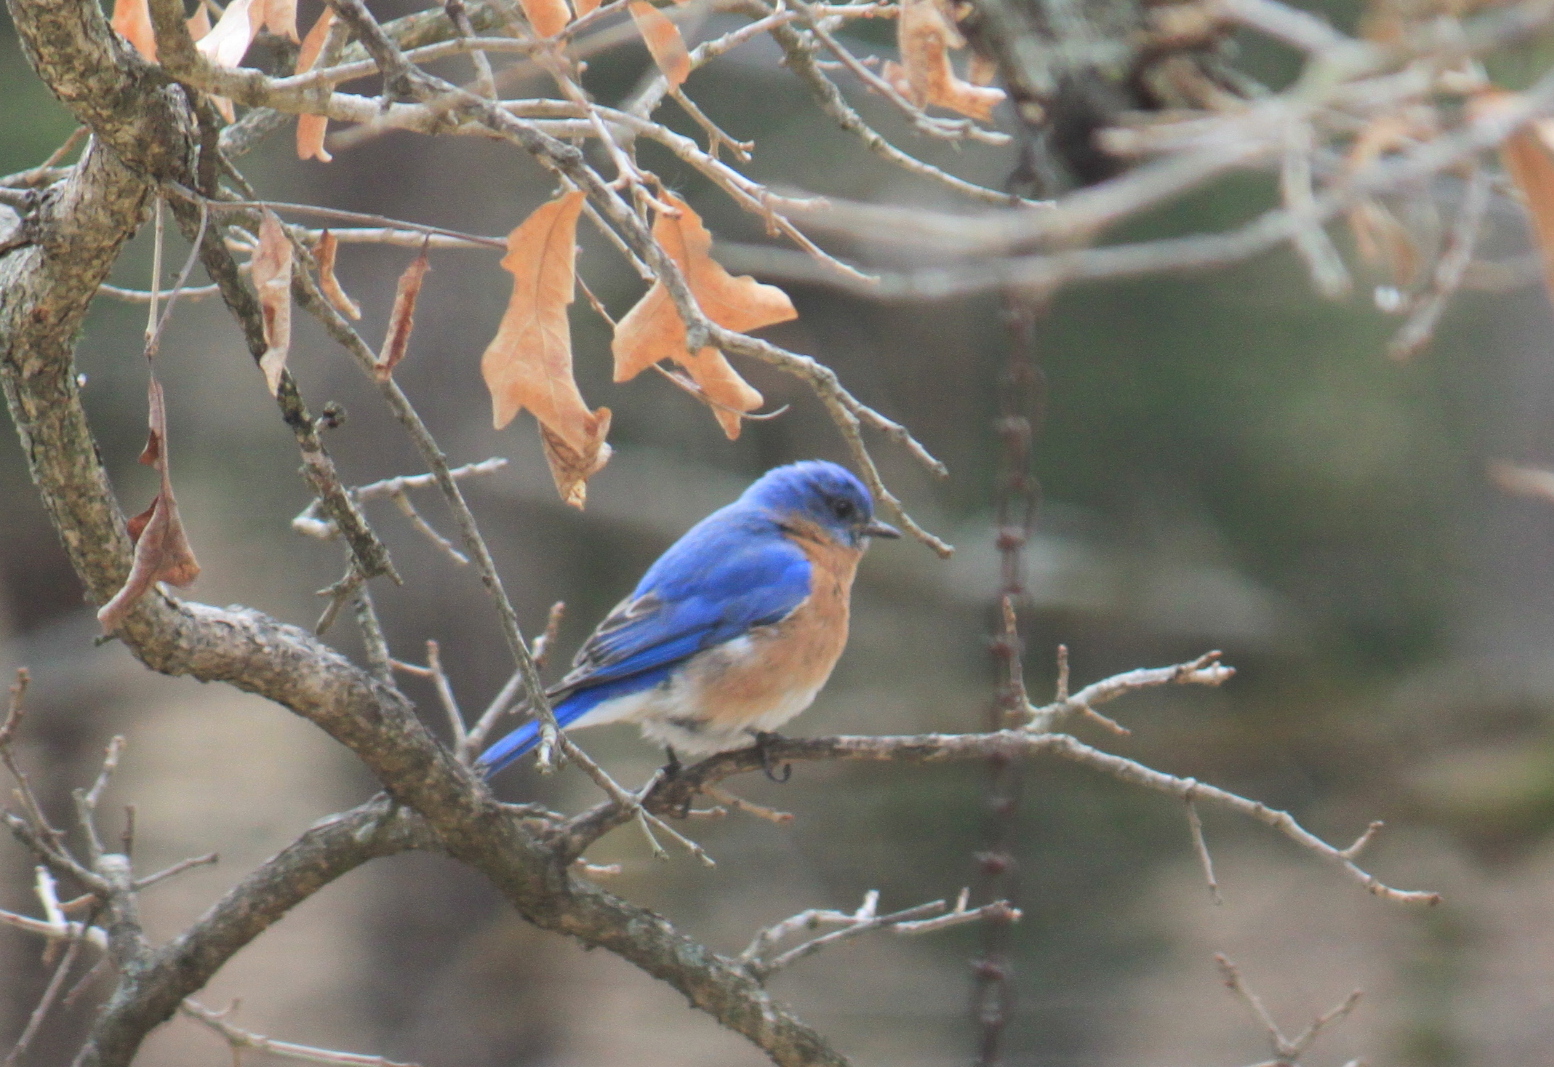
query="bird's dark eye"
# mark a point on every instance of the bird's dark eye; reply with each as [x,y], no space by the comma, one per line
[845,509]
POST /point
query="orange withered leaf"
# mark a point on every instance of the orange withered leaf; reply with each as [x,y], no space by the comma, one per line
[653,329]
[229,39]
[132,21]
[402,318]
[162,552]
[281,17]
[272,277]
[199,23]
[311,128]
[663,41]
[1530,164]
[925,33]
[548,17]
[528,364]
[570,469]
[328,284]
[583,7]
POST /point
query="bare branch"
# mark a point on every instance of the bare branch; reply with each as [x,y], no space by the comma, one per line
[240,1039]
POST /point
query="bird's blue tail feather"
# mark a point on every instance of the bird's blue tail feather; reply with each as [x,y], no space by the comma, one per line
[521,741]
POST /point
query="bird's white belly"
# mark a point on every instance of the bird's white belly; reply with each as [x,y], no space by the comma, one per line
[691,713]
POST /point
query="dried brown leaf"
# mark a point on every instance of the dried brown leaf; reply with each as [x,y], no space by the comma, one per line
[311,128]
[982,69]
[162,552]
[583,7]
[402,318]
[1382,240]
[571,469]
[548,17]
[132,21]
[199,23]
[528,364]
[663,41]
[926,33]
[228,40]
[653,331]
[280,16]
[328,284]
[272,277]
[1531,166]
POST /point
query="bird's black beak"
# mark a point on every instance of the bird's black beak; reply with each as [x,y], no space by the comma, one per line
[875,528]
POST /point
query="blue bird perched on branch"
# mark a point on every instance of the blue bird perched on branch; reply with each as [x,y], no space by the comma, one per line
[733,630]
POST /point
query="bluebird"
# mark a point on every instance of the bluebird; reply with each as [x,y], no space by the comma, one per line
[733,630]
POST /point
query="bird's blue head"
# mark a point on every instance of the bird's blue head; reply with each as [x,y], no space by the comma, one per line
[821,493]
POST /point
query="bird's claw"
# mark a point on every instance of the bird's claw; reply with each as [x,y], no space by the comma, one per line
[763,742]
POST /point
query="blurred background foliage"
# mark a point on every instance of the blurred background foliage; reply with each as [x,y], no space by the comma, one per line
[1228,461]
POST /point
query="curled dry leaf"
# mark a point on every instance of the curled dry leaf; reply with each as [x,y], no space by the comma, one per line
[328,284]
[1384,241]
[199,23]
[528,364]
[132,21]
[272,277]
[281,17]
[663,41]
[162,552]
[311,128]
[653,331]
[402,319]
[1529,161]
[925,33]
[548,17]
[570,469]
[229,39]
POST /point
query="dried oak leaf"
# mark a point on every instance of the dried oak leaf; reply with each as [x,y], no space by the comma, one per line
[663,41]
[402,319]
[528,364]
[162,552]
[311,128]
[132,21]
[652,330]
[281,17]
[926,33]
[1530,163]
[229,39]
[548,17]
[570,469]
[328,284]
[272,277]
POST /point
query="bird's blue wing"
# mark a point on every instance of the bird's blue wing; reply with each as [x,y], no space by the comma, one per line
[724,577]
[712,586]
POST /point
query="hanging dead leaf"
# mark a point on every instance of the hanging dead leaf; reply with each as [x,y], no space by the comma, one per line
[328,284]
[132,21]
[652,330]
[162,552]
[548,17]
[199,23]
[569,469]
[280,16]
[663,41]
[1384,241]
[982,69]
[229,39]
[1529,162]
[926,33]
[311,128]
[528,364]
[584,7]
[402,319]
[272,277]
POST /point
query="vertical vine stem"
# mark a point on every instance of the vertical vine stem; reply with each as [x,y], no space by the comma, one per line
[1018,498]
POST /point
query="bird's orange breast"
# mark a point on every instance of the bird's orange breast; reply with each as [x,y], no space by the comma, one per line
[774,673]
